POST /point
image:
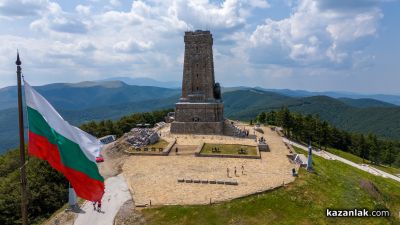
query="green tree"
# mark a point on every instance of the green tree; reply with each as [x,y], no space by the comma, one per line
[298,126]
[308,128]
[46,189]
[261,118]
[285,120]
[373,146]
[389,156]
[363,148]
[397,160]
[271,118]
[325,134]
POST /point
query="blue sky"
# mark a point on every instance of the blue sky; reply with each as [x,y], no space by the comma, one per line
[307,44]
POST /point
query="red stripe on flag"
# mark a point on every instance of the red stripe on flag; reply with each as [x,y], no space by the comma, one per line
[84,186]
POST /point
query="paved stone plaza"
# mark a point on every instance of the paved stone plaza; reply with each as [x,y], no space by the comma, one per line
[155,177]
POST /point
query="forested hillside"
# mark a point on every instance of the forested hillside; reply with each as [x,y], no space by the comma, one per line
[382,121]
[47,189]
[311,129]
[89,94]
[83,102]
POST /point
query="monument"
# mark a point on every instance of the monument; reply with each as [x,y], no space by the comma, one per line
[200,109]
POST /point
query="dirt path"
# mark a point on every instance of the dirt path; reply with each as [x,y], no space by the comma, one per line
[116,194]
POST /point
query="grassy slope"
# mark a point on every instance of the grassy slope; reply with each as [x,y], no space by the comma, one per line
[159,144]
[333,185]
[359,160]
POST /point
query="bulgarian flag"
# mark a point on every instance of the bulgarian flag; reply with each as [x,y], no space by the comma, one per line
[68,149]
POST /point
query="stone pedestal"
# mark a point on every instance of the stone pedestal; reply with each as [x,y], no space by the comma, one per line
[198,118]
[197,127]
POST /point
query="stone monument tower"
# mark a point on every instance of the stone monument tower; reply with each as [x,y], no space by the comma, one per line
[200,109]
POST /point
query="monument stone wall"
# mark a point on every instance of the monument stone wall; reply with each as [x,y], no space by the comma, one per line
[200,109]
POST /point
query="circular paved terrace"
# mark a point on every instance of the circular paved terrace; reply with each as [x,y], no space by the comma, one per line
[155,177]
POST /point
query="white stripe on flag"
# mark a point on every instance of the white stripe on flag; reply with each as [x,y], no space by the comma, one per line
[89,144]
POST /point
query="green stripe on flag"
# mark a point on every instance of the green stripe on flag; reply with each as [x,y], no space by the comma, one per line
[70,152]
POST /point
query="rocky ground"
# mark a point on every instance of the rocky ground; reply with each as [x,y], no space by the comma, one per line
[128,215]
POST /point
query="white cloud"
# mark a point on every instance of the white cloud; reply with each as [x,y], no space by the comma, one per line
[55,20]
[355,26]
[132,45]
[115,3]
[22,8]
[146,39]
[259,3]
[315,36]
[83,9]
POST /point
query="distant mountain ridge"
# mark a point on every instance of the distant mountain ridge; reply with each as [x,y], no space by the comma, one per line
[85,101]
[8,95]
[89,94]
[144,81]
[365,102]
[393,99]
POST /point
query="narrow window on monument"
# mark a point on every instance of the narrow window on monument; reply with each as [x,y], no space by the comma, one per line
[197,75]
[197,88]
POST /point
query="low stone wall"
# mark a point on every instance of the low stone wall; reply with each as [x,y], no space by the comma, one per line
[218,155]
[197,127]
[263,147]
[198,149]
[167,150]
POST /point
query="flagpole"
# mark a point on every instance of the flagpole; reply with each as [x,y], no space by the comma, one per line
[24,210]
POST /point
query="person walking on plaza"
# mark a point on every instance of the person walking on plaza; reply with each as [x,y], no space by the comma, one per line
[94,205]
[99,206]
[227,172]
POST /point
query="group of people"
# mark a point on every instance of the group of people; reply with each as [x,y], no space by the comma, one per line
[98,205]
[140,137]
[235,171]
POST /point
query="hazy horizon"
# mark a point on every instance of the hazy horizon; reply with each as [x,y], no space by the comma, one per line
[176,81]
